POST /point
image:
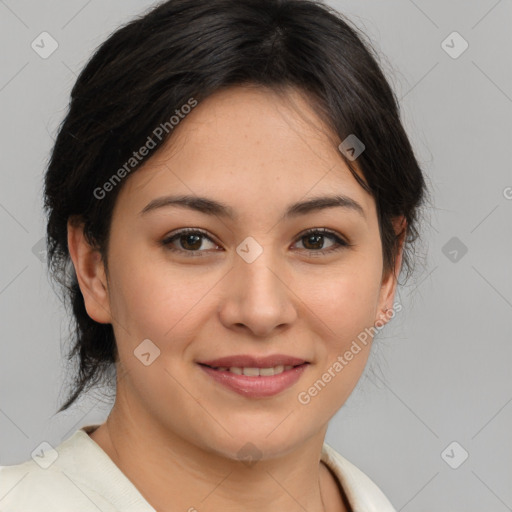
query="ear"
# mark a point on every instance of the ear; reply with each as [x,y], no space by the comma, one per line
[389,281]
[90,273]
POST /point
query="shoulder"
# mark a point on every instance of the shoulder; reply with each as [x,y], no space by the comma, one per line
[48,485]
[27,486]
[362,493]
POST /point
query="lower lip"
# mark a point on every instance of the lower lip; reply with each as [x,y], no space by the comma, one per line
[257,387]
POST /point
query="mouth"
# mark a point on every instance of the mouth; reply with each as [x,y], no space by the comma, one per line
[254,377]
[254,371]
[250,361]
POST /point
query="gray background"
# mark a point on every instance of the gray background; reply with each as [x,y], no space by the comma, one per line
[440,371]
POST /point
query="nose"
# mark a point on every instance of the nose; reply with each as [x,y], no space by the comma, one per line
[258,296]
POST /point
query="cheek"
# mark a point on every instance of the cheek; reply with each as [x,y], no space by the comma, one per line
[344,307]
[345,300]
[153,300]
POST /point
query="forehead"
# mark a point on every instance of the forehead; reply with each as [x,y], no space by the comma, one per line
[248,145]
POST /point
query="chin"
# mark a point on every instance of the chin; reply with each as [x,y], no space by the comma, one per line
[256,444]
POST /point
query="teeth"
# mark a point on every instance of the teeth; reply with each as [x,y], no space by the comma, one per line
[256,372]
[251,372]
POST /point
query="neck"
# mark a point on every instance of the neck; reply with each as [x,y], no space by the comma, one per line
[174,474]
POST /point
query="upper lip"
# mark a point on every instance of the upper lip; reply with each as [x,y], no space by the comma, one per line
[248,361]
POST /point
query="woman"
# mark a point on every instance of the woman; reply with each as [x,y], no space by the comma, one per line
[231,198]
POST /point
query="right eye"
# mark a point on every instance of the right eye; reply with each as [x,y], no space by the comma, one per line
[190,239]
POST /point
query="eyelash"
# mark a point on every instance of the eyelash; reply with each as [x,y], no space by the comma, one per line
[339,242]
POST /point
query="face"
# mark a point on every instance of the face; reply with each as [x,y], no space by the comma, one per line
[250,279]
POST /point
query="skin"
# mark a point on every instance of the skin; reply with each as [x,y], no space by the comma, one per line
[174,431]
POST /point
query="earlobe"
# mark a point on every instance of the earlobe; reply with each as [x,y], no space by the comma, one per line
[389,282]
[90,273]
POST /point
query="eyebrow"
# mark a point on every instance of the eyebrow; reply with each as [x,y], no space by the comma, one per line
[215,208]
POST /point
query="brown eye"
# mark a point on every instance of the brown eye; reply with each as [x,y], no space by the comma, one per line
[190,241]
[314,240]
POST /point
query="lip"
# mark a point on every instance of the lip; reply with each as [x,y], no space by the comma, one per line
[248,361]
[256,387]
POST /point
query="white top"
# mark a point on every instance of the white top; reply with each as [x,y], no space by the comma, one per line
[79,476]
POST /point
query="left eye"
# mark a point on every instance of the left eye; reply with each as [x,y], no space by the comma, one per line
[316,236]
